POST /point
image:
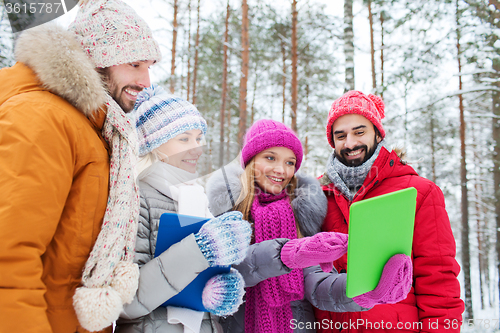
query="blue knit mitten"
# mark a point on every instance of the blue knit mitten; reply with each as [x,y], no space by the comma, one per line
[224,240]
[223,293]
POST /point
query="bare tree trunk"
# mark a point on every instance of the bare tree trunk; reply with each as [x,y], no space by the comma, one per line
[245,58]
[295,88]
[480,246]
[224,89]
[478,211]
[252,108]
[308,109]
[349,46]
[189,52]
[228,132]
[496,159]
[283,80]
[382,54]
[406,111]
[370,18]
[487,240]
[174,42]
[463,183]
[433,147]
[182,61]
[195,69]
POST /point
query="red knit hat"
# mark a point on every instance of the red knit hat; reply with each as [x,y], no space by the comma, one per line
[355,102]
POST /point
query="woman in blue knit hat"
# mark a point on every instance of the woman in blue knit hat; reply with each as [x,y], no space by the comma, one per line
[170,132]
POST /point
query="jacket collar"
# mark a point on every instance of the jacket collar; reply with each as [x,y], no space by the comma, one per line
[98,117]
[97,120]
[388,164]
[309,205]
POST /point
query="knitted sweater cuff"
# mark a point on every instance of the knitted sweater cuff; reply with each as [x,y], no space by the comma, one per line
[287,254]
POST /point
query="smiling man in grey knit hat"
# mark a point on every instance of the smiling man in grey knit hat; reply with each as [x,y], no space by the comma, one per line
[69,200]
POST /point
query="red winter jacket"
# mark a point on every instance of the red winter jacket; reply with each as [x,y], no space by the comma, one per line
[433,304]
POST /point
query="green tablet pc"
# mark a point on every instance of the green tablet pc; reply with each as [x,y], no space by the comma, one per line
[379,228]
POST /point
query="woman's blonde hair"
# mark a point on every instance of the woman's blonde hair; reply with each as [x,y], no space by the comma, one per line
[145,162]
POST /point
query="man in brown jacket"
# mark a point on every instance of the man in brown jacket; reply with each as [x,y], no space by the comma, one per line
[68,198]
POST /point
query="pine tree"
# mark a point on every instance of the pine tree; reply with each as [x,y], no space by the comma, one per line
[188,79]
[372,44]
[224,88]
[196,53]
[463,179]
[349,45]
[245,54]
[174,45]
[489,14]
[295,88]
[6,39]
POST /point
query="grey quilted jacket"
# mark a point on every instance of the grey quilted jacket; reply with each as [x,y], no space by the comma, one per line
[159,278]
[323,290]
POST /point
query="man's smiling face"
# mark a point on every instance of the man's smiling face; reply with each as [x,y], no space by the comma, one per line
[355,139]
[125,81]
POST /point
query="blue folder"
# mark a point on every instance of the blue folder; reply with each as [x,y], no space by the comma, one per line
[174,228]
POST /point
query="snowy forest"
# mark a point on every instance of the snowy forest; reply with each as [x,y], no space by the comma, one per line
[435,63]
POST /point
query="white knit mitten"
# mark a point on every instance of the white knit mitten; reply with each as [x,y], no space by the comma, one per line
[224,240]
[223,293]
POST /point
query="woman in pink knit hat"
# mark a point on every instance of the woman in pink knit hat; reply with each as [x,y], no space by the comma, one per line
[286,211]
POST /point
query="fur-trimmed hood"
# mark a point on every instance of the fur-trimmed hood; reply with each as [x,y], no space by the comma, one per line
[309,205]
[61,66]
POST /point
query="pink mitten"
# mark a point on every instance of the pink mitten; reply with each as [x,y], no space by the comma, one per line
[322,248]
[394,285]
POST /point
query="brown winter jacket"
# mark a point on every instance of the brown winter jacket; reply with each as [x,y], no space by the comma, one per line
[54,175]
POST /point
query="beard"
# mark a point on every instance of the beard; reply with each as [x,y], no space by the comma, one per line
[357,162]
[117,93]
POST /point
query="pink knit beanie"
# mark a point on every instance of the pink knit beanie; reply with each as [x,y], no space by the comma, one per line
[371,107]
[267,133]
[111,33]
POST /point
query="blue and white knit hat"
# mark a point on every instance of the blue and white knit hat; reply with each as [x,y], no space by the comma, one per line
[162,116]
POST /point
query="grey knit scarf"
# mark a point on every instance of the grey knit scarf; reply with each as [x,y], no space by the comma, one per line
[349,179]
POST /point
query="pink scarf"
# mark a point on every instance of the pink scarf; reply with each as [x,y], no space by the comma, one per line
[268,308]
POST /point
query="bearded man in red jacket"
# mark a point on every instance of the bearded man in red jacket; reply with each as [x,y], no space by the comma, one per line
[362,167]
